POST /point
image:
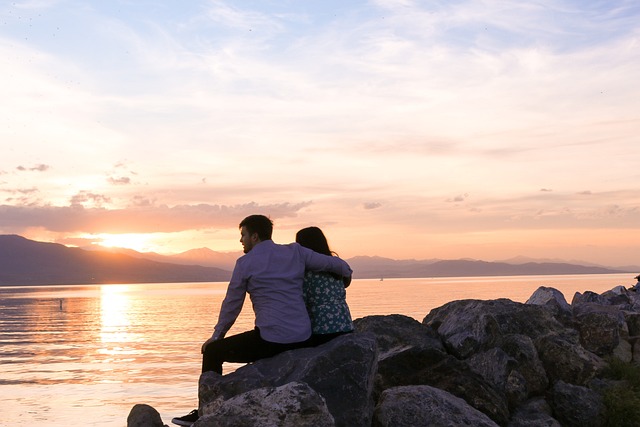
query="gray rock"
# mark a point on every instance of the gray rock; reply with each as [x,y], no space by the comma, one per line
[534,413]
[426,406]
[396,332]
[577,406]
[588,296]
[633,323]
[425,367]
[551,298]
[142,415]
[619,297]
[472,326]
[623,351]
[411,355]
[500,370]
[565,359]
[291,405]
[523,350]
[342,371]
[600,327]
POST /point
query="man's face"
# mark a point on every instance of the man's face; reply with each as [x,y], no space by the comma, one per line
[248,240]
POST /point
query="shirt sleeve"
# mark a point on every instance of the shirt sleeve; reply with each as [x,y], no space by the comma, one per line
[318,262]
[232,303]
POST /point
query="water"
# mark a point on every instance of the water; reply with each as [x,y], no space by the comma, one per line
[84,355]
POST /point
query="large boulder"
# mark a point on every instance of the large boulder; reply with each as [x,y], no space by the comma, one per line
[426,406]
[576,406]
[523,350]
[565,359]
[142,415]
[471,326]
[411,354]
[291,405]
[501,371]
[600,327]
[552,299]
[534,413]
[395,332]
[341,371]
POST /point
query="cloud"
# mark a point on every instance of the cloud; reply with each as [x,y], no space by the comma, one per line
[142,219]
[80,199]
[123,180]
[38,168]
[31,190]
[371,205]
[458,198]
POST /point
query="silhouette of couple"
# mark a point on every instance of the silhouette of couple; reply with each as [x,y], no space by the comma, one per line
[297,292]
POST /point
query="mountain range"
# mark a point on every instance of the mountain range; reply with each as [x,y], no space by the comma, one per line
[28,262]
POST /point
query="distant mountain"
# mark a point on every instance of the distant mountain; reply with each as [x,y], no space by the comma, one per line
[524,260]
[27,262]
[201,256]
[376,267]
[205,256]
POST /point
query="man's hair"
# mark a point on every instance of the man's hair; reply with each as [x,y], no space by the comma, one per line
[258,224]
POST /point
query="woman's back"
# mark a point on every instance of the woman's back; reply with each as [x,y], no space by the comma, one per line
[325,298]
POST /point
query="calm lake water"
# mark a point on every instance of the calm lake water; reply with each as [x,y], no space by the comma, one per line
[84,355]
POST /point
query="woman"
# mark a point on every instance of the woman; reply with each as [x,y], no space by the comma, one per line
[324,293]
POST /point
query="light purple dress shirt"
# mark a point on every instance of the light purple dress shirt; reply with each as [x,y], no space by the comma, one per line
[272,275]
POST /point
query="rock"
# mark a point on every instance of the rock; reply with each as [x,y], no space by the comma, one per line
[291,405]
[619,297]
[632,319]
[577,406]
[565,359]
[425,367]
[523,350]
[599,327]
[342,371]
[500,370]
[534,413]
[410,355]
[551,298]
[142,415]
[469,362]
[588,296]
[471,326]
[426,406]
[396,332]
[623,351]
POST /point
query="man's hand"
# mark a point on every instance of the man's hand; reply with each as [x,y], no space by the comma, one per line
[347,281]
[206,343]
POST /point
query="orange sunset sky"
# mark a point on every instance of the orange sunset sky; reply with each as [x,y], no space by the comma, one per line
[404,129]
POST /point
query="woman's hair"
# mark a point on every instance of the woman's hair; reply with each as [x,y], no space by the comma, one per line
[314,239]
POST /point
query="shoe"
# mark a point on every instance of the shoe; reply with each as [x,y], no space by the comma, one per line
[186,420]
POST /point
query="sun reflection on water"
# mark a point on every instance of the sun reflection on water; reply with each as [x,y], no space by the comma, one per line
[115,319]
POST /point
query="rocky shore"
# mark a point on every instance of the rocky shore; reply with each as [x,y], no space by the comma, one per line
[468,363]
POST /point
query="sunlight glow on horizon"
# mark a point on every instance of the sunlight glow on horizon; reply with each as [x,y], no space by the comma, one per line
[136,241]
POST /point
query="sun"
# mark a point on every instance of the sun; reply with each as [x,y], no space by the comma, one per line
[136,241]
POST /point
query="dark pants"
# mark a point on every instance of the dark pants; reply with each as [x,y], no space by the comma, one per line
[242,348]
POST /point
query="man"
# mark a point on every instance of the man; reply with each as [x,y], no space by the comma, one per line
[272,275]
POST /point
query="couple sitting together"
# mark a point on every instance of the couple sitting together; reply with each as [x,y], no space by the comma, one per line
[298,297]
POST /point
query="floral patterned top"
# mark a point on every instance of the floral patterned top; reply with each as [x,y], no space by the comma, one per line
[326,302]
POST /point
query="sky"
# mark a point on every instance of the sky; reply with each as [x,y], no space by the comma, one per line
[404,129]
